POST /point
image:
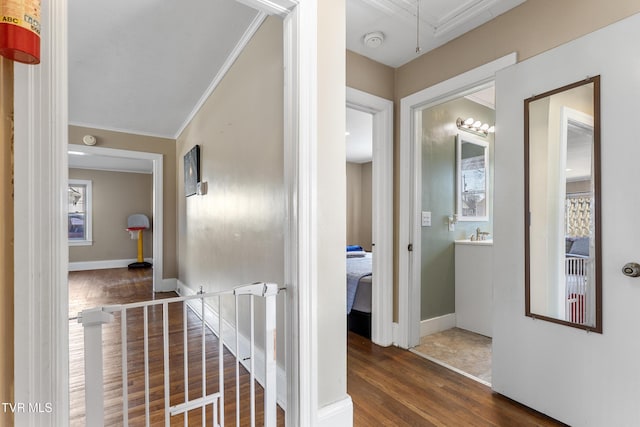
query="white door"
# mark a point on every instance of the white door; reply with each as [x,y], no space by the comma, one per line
[580,378]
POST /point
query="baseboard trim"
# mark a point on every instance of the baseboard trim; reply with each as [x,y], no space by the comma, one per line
[101,265]
[229,340]
[168,285]
[337,414]
[437,324]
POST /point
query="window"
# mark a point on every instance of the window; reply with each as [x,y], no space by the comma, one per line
[79,212]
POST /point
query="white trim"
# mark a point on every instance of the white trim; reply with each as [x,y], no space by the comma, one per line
[411,186]
[229,341]
[437,324]
[291,248]
[301,130]
[451,368]
[382,295]
[103,264]
[336,414]
[41,348]
[271,7]
[121,130]
[231,59]
[158,204]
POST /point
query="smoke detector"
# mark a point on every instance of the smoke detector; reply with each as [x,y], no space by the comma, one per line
[89,140]
[374,39]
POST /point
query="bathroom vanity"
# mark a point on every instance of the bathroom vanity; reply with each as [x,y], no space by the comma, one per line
[474,285]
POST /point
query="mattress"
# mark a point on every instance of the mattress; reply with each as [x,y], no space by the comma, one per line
[362,300]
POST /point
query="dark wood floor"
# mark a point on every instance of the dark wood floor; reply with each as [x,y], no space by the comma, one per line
[394,387]
[388,386]
[102,287]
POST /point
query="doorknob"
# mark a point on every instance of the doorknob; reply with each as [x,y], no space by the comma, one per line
[631,269]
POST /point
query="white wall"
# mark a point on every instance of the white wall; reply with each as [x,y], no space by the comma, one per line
[583,379]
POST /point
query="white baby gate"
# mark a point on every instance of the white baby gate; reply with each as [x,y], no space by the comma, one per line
[93,319]
[577,290]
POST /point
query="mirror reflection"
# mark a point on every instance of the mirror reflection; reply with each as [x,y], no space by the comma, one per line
[562,236]
[472,163]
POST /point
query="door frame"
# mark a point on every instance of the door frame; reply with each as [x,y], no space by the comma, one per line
[156,159]
[407,334]
[41,176]
[382,211]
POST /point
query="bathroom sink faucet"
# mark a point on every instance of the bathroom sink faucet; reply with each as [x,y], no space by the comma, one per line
[481,235]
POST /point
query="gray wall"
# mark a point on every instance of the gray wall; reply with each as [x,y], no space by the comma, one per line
[438,196]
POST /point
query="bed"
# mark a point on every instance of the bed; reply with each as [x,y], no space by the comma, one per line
[359,281]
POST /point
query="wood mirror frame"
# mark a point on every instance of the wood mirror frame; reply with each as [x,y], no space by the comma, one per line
[561,287]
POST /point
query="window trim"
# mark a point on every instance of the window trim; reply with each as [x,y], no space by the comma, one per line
[88,225]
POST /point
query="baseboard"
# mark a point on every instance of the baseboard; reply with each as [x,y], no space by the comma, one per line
[337,414]
[101,265]
[229,340]
[437,324]
[168,285]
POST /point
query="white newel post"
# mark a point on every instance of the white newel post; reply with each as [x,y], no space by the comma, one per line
[271,367]
[92,321]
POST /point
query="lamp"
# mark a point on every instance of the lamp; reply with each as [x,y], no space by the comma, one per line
[474,126]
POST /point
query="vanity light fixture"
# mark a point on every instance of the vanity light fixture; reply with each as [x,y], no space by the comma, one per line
[474,126]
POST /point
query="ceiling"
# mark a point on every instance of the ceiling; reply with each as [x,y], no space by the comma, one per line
[144,67]
[440,22]
[81,160]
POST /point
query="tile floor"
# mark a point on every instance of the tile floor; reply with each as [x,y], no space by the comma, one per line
[463,350]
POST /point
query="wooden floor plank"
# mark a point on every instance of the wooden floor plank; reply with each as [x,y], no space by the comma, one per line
[103,287]
[394,387]
[388,386]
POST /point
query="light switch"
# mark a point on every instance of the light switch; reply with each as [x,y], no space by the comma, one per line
[426,219]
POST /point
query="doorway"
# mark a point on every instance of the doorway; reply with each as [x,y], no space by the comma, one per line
[428,231]
[457,144]
[140,161]
[380,113]
[410,193]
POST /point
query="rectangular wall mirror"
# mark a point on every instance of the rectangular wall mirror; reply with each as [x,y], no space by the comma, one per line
[472,189]
[562,206]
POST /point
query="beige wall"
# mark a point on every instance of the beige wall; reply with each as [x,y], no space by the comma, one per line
[369,76]
[6,238]
[149,144]
[234,234]
[331,305]
[359,204]
[529,29]
[115,196]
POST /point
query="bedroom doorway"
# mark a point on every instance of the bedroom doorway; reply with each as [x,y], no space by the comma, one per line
[370,219]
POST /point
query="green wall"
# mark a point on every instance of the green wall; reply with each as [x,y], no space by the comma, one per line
[438,196]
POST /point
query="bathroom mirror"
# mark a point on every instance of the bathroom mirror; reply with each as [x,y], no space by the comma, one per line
[472,190]
[562,206]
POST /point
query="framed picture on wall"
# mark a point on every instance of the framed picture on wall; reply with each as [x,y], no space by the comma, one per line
[191,171]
